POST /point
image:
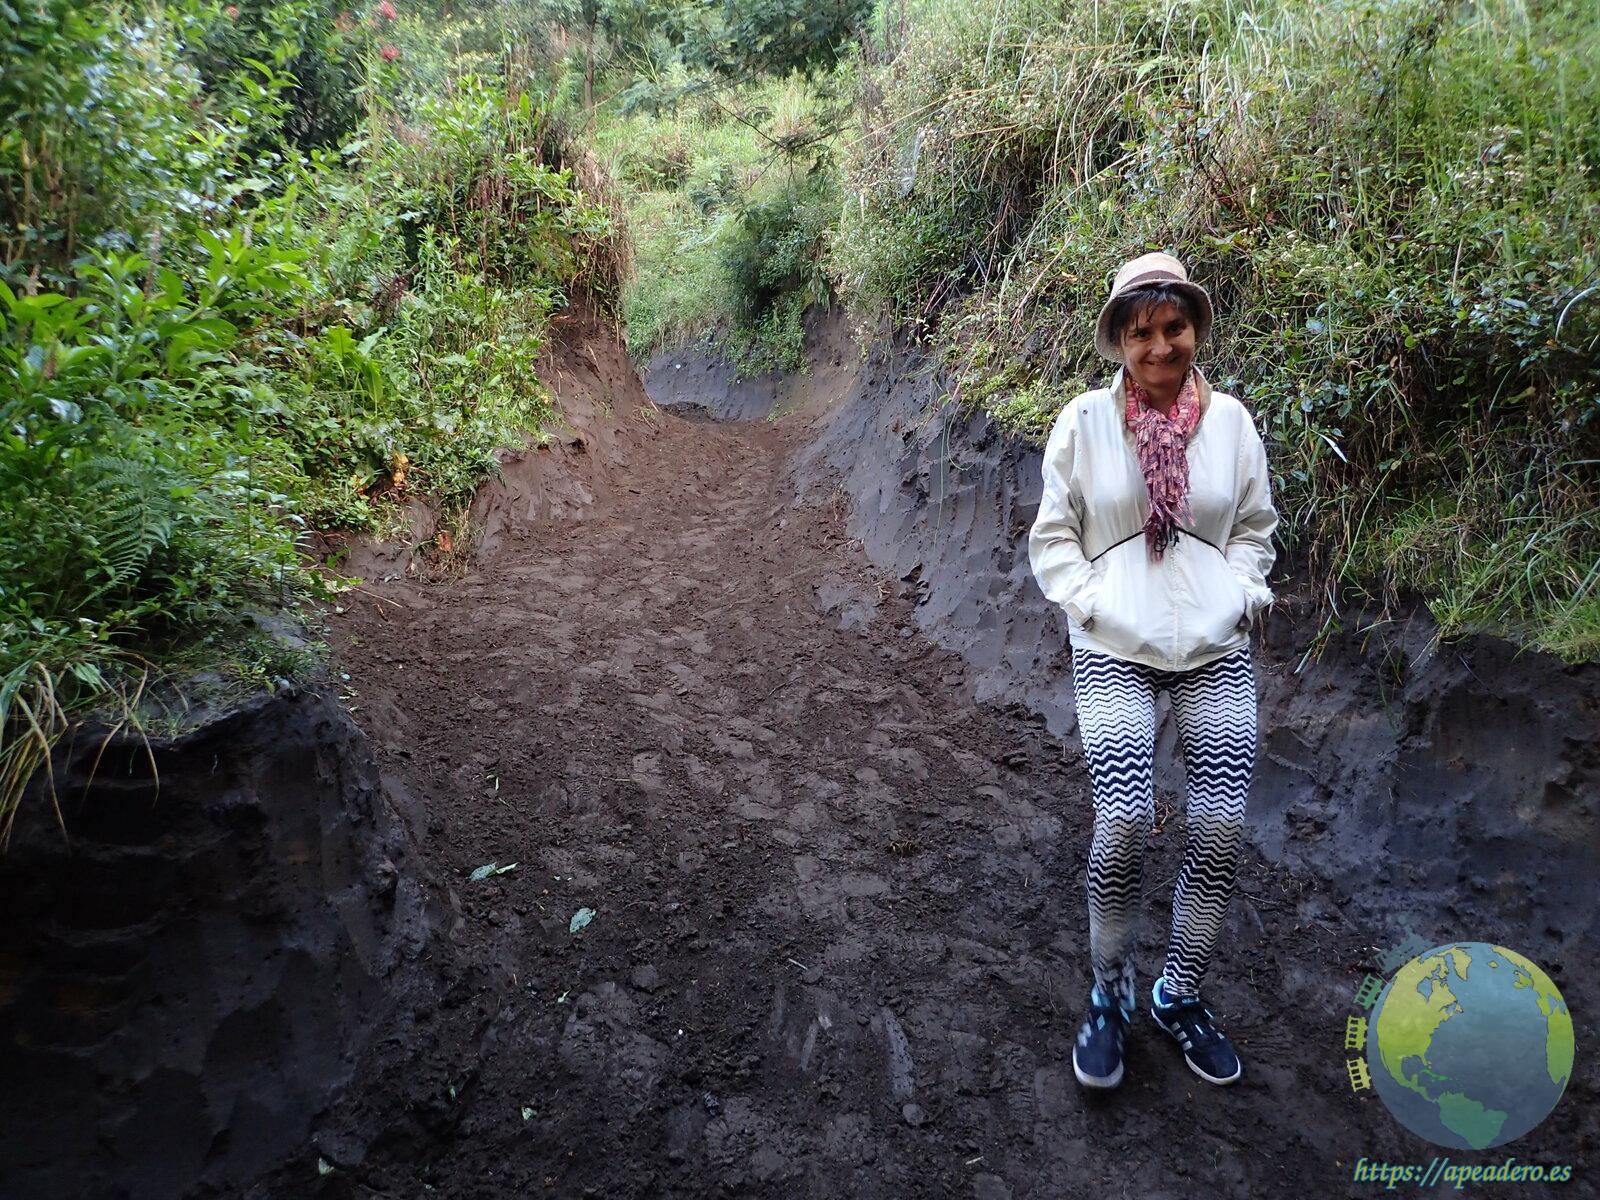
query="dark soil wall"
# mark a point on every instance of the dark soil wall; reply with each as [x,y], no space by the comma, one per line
[694,380]
[1451,791]
[185,983]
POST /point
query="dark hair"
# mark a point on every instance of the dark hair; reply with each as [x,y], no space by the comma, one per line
[1141,301]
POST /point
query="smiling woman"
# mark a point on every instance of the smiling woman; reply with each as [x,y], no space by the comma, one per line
[1154,535]
[1159,453]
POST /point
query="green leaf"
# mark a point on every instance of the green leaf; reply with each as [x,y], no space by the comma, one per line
[489,869]
[580,919]
[89,674]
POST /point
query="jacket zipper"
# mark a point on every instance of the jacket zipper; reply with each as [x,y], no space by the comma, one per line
[1137,532]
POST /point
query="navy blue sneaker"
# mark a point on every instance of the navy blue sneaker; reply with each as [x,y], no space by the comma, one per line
[1097,1054]
[1206,1048]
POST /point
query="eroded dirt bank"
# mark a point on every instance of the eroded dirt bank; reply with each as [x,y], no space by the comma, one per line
[834,868]
[186,983]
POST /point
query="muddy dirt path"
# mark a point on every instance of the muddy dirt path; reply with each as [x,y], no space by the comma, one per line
[836,947]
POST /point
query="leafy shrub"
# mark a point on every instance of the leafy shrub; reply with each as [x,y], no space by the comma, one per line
[659,165]
[777,37]
[132,509]
[99,141]
[730,244]
[773,260]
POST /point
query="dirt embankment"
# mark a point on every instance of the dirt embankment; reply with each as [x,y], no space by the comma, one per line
[187,982]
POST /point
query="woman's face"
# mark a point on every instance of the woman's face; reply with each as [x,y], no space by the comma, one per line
[1158,347]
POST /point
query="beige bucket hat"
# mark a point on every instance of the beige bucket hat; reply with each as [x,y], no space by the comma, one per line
[1151,268]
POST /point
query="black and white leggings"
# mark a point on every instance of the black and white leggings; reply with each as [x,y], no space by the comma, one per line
[1215,706]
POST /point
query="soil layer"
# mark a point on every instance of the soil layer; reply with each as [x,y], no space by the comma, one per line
[188,978]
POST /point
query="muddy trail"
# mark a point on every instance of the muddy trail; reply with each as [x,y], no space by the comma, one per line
[837,934]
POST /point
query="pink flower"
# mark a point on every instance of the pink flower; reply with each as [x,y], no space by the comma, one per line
[387,11]
[231,12]
[390,53]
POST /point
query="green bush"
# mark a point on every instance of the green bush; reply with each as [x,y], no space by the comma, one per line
[107,137]
[773,262]
[131,509]
[730,199]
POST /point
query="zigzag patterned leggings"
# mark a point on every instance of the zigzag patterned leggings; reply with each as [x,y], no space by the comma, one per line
[1215,705]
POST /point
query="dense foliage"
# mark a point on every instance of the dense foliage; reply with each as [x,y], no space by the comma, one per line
[719,120]
[264,269]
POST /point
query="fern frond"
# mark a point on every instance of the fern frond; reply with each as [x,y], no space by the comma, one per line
[137,519]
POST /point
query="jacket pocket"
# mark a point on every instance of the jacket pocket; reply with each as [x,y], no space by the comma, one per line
[1130,617]
[1216,618]
[1094,597]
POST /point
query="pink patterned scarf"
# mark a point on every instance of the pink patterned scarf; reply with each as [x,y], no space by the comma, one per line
[1161,442]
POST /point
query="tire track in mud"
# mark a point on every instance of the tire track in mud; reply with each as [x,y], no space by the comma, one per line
[836,948]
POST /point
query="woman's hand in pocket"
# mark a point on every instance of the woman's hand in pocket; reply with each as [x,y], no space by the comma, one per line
[1256,601]
[1244,608]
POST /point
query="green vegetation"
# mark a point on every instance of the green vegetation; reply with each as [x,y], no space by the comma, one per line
[721,139]
[263,269]
[1395,206]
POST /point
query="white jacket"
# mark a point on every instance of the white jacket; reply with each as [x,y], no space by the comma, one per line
[1088,550]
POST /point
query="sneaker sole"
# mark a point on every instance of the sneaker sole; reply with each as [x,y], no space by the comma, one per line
[1104,1082]
[1220,1081]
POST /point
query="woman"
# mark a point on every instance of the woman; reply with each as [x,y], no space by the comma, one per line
[1154,534]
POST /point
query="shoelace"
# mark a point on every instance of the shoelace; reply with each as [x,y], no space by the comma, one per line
[1192,1015]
